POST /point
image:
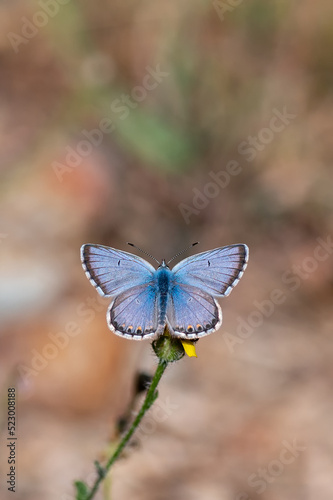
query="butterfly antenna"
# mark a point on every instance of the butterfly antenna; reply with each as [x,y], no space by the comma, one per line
[143,251]
[185,249]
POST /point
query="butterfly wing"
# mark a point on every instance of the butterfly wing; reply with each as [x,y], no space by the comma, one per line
[192,313]
[112,271]
[216,272]
[134,314]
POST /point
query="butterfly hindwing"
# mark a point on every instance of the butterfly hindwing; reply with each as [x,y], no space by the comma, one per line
[133,314]
[113,271]
[192,313]
[216,271]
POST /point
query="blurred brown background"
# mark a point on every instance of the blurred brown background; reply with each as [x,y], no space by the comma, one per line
[164,123]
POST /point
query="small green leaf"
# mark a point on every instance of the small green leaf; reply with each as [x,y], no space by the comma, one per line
[100,470]
[81,490]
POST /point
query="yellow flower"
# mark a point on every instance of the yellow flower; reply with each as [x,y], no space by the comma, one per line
[189,348]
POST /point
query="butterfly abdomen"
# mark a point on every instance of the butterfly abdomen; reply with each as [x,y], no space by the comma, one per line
[163,281]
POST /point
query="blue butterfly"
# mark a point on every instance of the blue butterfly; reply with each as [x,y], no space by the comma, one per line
[146,300]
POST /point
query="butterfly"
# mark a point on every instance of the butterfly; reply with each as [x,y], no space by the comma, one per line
[146,300]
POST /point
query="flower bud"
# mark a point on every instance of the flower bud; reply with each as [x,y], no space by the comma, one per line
[168,348]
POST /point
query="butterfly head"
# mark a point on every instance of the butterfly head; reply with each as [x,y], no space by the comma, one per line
[163,265]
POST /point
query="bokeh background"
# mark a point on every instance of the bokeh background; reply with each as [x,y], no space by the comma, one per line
[115,117]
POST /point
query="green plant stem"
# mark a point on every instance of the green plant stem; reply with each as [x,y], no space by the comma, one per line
[149,400]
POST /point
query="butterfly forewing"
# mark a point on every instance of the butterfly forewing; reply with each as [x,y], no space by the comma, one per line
[113,271]
[134,314]
[192,313]
[216,271]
